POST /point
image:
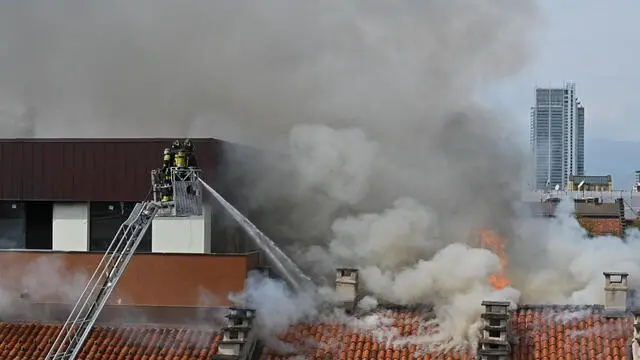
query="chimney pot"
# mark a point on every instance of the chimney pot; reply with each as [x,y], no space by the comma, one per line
[616,290]
[635,344]
[495,341]
[347,282]
[238,337]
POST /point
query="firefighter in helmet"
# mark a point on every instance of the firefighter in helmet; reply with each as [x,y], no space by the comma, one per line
[191,159]
[177,145]
[167,189]
[167,159]
[180,158]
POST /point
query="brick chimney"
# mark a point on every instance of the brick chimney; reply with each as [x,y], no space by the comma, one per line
[494,343]
[616,291]
[635,344]
[239,339]
[347,283]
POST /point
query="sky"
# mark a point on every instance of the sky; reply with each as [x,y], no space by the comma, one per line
[593,43]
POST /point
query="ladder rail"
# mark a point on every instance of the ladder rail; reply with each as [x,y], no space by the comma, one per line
[80,322]
[81,318]
[93,282]
[103,297]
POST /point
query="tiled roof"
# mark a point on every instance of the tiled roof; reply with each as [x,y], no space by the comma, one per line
[337,341]
[570,333]
[540,332]
[602,226]
[31,341]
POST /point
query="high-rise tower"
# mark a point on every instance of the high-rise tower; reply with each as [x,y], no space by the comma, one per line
[557,136]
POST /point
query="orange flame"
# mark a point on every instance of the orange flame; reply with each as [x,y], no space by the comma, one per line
[491,241]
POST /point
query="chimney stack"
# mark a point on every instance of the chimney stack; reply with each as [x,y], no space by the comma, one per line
[616,291]
[347,287]
[238,340]
[495,342]
[635,344]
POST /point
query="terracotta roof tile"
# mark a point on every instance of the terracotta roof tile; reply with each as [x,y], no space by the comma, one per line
[570,333]
[338,341]
[601,226]
[540,332]
[31,341]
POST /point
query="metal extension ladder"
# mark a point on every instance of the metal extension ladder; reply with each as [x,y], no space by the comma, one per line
[80,322]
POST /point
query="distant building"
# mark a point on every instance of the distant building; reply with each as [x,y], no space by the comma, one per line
[636,184]
[556,136]
[590,183]
[596,217]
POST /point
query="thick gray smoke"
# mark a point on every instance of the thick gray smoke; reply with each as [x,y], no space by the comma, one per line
[388,163]
[250,70]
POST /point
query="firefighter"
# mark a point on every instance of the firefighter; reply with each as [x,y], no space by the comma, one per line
[167,189]
[177,145]
[180,158]
[167,159]
[191,159]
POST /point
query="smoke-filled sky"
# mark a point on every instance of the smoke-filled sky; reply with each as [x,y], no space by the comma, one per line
[160,68]
[389,158]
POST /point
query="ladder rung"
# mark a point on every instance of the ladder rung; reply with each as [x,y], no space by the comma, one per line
[79,322]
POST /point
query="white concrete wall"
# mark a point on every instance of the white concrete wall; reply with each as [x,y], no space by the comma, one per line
[71,226]
[182,234]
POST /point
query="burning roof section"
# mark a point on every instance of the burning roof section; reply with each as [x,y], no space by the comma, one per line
[545,332]
[537,332]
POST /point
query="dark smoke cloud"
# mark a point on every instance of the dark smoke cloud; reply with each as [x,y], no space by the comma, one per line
[247,68]
[372,105]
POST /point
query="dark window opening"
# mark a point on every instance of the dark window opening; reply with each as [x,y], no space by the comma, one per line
[494,334]
[237,322]
[39,225]
[233,335]
[105,220]
[494,322]
[12,221]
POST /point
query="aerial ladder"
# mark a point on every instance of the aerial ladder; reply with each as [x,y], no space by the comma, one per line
[187,201]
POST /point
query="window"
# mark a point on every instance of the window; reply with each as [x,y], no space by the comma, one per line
[12,221]
[38,225]
[105,219]
[494,334]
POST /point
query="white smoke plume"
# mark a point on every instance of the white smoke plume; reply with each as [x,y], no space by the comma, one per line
[41,280]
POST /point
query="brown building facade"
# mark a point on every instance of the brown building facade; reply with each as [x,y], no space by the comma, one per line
[150,279]
[89,169]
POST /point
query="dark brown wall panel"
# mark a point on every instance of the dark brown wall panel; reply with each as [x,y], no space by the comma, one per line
[89,169]
[11,174]
[150,279]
